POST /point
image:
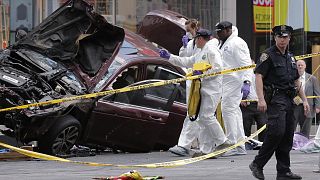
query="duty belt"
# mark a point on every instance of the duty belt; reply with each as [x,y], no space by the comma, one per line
[289,92]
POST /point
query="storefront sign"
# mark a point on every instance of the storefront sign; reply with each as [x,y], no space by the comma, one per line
[263,15]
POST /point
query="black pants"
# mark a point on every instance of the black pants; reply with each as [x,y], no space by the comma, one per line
[302,120]
[279,133]
[251,114]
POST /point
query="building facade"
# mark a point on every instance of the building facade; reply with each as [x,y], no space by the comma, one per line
[254,18]
[256,23]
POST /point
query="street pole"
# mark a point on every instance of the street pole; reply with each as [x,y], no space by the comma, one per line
[114,13]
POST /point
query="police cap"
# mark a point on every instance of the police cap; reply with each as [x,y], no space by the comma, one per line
[203,32]
[282,30]
[223,25]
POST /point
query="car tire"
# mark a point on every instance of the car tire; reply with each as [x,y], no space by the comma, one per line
[61,137]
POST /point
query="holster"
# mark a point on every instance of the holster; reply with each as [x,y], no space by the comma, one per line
[269,92]
[292,93]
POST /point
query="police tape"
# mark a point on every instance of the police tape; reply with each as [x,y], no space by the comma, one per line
[312,97]
[256,100]
[125,89]
[151,165]
[305,56]
[47,157]
[196,159]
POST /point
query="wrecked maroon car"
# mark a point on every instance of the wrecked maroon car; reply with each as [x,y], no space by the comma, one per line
[76,51]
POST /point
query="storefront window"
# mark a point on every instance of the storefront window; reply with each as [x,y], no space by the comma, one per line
[130,13]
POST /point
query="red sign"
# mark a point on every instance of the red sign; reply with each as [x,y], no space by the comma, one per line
[263,3]
[262,15]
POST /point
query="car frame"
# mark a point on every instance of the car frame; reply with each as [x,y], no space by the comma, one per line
[76,51]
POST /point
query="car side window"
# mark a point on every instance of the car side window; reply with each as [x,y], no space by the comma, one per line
[154,97]
[127,77]
[166,73]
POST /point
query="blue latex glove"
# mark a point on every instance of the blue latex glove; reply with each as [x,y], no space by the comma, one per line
[245,90]
[196,72]
[164,54]
[185,41]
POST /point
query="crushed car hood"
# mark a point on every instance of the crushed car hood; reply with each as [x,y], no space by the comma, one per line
[72,32]
[165,28]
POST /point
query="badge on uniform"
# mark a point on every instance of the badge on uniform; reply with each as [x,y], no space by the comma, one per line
[293,62]
[263,57]
[204,57]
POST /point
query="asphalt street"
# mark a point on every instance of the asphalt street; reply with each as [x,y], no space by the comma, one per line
[232,168]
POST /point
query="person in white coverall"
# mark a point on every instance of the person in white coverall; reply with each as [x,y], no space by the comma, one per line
[211,135]
[190,129]
[236,85]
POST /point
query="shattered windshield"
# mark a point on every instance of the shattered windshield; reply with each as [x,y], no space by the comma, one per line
[127,48]
[115,65]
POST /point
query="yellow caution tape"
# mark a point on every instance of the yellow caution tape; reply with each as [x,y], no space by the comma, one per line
[255,100]
[196,159]
[249,100]
[311,97]
[125,89]
[48,157]
[307,56]
[152,165]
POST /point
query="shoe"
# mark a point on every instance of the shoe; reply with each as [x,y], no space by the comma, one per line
[316,171]
[253,144]
[235,152]
[198,154]
[256,171]
[241,150]
[232,152]
[178,150]
[226,144]
[288,176]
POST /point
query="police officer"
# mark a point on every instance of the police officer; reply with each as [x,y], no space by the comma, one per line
[277,79]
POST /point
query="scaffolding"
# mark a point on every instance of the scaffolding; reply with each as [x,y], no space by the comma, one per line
[4,24]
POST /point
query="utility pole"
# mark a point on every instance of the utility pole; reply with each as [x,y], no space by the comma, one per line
[114,13]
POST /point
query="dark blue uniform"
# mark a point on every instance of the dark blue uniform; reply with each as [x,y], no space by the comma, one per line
[279,74]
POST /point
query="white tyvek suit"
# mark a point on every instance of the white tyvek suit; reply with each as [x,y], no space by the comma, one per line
[211,133]
[190,130]
[190,50]
[235,53]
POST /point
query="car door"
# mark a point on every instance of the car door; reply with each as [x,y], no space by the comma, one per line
[130,121]
[178,109]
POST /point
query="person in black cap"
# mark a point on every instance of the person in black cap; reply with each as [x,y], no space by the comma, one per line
[277,83]
[236,85]
[211,134]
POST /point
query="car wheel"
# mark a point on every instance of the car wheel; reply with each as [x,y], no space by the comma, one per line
[61,136]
